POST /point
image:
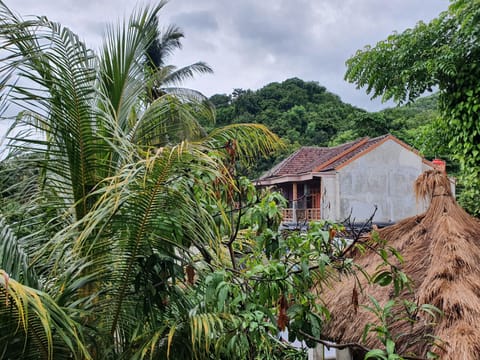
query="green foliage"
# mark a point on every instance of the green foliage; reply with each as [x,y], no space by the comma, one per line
[242,304]
[415,123]
[300,112]
[387,316]
[270,289]
[304,113]
[445,54]
[128,231]
[103,205]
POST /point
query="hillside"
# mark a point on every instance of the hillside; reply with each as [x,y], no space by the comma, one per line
[298,111]
[304,113]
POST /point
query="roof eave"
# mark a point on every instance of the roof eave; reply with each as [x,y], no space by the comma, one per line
[290,178]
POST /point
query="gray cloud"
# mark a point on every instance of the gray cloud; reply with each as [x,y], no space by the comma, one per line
[250,43]
[196,21]
[276,29]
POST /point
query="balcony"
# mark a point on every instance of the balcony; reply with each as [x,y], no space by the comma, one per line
[292,215]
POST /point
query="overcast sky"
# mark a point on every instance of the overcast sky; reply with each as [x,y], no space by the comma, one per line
[250,43]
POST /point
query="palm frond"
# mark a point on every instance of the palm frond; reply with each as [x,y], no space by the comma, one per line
[169,120]
[245,142]
[165,43]
[178,76]
[189,95]
[58,106]
[163,193]
[147,210]
[31,318]
[13,259]
[122,70]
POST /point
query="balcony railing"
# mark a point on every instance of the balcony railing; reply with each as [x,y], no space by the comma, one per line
[301,215]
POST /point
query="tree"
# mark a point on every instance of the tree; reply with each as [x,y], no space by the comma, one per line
[300,112]
[166,78]
[107,230]
[139,238]
[445,54]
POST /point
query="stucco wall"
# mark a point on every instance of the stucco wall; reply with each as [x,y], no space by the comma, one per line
[382,177]
[321,353]
[329,198]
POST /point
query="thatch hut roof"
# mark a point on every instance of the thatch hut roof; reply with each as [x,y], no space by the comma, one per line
[441,249]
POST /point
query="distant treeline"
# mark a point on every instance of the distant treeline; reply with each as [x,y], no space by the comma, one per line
[304,113]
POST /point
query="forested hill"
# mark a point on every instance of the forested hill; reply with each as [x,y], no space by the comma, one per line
[299,111]
[305,113]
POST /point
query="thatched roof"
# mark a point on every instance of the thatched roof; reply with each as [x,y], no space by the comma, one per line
[441,249]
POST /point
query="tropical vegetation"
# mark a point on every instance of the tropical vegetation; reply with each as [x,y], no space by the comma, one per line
[443,53]
[304,113]
[127,227]
[110,179]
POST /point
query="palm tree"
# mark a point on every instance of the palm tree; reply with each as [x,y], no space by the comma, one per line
[167,77]
[98,253]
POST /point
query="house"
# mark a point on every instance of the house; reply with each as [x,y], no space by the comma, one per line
[441,253]
[333,183]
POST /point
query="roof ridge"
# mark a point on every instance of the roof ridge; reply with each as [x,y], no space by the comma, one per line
[381,137]
[350,142]
[355,145]
[319,158]
[369,145]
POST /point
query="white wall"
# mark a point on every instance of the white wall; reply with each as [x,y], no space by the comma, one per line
[322,353]
[382,177]
[329,197]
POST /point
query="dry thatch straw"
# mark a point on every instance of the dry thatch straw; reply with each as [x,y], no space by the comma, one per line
[441,249]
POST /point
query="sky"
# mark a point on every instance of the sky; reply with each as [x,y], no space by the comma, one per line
[250,43]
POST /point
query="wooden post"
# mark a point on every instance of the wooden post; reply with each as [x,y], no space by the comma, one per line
[294,201]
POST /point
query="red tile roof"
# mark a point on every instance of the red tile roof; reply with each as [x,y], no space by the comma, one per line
[345,157]
[317,159]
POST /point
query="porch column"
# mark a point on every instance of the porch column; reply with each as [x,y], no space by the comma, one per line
[294,201]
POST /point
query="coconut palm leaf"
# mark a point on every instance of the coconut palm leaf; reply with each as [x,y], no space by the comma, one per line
[122,69]
[167,79]
[245,142]
[32,326]
[57,105]
[165,43]
[186,330]
[162,193]
[13,259]
[147,211]
[169,120]
[177,76]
